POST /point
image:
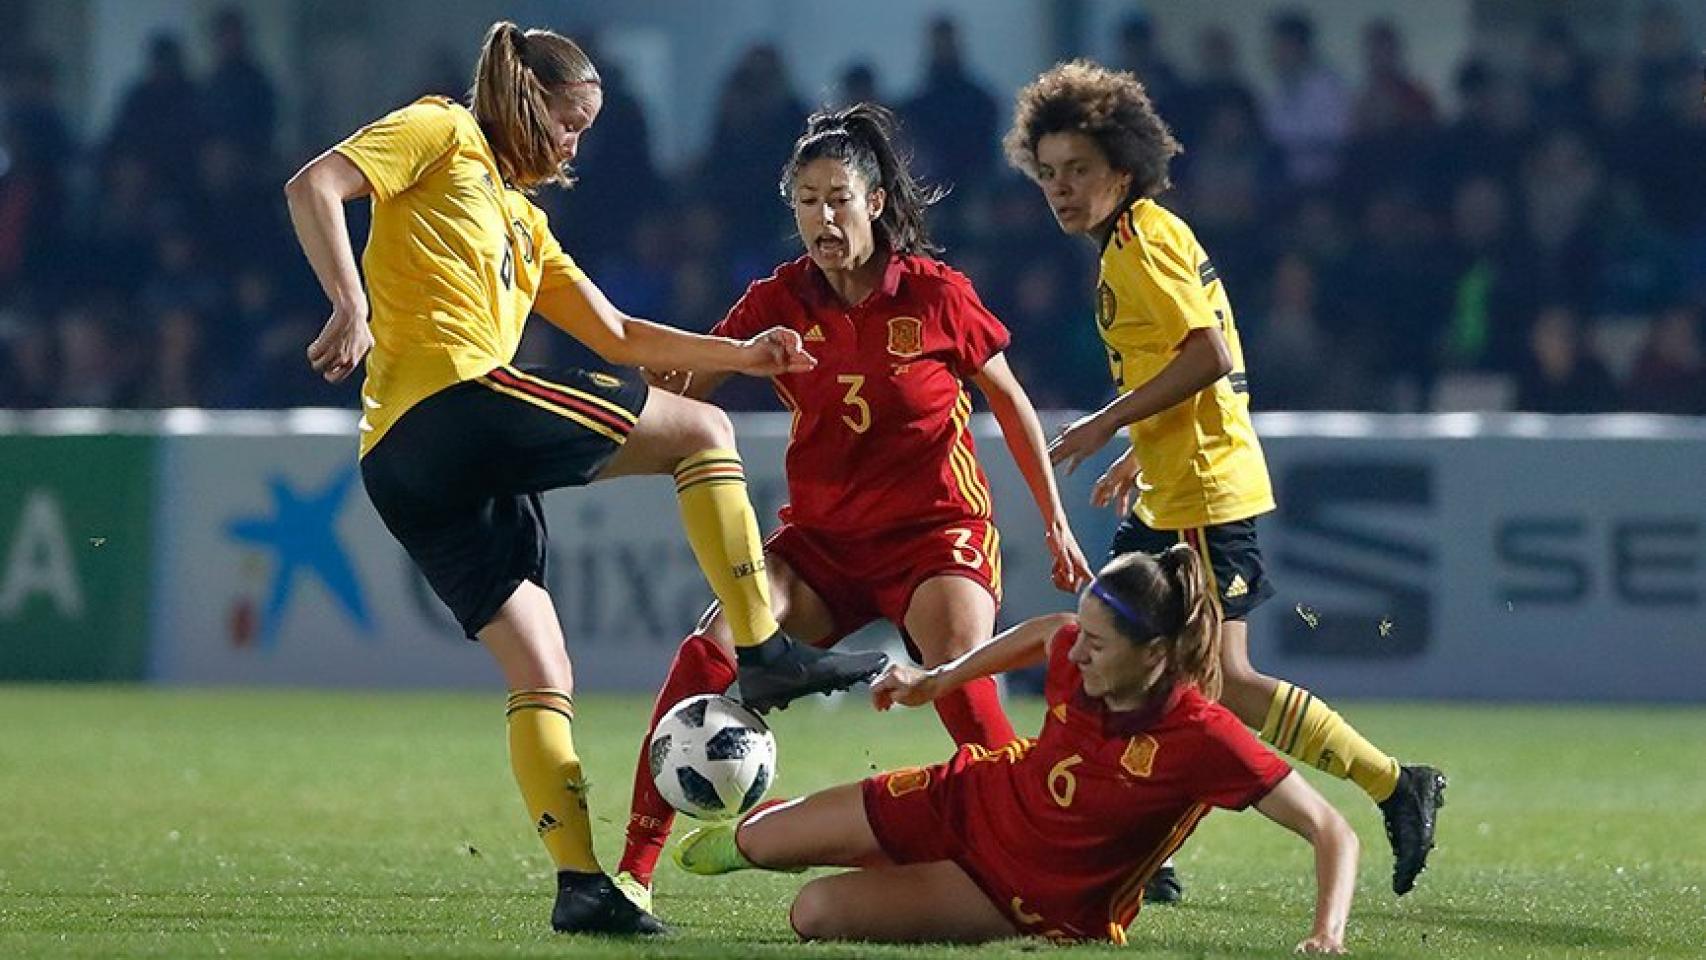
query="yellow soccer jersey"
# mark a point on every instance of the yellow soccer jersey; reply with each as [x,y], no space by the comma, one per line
[454,260]
[1202,463]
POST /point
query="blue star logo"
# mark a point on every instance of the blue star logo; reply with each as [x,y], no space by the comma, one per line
[302,535]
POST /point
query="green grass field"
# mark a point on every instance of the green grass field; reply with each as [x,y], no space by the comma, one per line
[292,824]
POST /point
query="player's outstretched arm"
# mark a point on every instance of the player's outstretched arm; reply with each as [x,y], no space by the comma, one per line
[1203,358]
[1296,805]
[1024,435]
[1025,645]
[582,311]
[316,197]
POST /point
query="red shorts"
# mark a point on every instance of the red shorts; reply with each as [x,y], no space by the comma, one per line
[862,579]
[926,814]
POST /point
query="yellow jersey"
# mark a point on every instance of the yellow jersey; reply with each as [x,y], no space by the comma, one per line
[454,260]
[1202,463]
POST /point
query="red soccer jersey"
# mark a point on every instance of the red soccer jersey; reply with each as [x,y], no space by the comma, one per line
[881,436]
[1081,816]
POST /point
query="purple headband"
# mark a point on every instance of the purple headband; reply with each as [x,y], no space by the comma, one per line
[1145,629]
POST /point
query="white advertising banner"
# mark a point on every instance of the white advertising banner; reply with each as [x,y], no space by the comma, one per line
[1414,557]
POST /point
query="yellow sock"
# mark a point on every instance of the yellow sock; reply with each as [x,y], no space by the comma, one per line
[542,754]
[723,531]
[1314,733]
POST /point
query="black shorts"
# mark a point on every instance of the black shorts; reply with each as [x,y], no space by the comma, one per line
[1236,577]
[457,478]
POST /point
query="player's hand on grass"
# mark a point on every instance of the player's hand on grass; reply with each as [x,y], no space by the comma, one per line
[905,685]
[1071,570]
[777,350]
[1078,441]
[342,343]
[1322,943]
[674,381]
[1118,483]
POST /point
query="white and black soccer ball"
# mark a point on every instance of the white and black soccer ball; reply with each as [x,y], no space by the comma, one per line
[712,758]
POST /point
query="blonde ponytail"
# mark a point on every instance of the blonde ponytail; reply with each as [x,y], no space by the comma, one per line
[517,74]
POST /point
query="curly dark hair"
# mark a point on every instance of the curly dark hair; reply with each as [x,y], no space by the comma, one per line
[1109,106]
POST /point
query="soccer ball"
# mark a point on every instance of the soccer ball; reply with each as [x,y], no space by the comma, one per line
[712,758]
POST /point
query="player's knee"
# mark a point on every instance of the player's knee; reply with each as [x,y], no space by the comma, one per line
[814,916]
[711,428]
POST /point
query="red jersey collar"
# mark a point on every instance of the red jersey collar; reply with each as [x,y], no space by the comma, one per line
[815,289]
[1130,723]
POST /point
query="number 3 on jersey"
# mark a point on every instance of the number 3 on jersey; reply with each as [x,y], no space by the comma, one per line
[862,422]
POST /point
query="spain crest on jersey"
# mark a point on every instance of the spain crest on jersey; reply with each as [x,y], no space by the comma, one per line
[906,337]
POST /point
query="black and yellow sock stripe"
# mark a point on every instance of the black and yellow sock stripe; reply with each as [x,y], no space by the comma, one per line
[711,467]
[591,411]
[543,698]
[1286,724]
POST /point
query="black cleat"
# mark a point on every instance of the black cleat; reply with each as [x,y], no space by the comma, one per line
[792,670]
[1410,813]
[590,903]
[1164,887]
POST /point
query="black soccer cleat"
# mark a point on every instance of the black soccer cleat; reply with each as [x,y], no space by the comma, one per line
[1410,814]
[591,903]
[794,670]
[1163,887]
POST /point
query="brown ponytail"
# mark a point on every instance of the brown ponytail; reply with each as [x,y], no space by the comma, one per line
[517,75]
[1194,651]
[1164,599]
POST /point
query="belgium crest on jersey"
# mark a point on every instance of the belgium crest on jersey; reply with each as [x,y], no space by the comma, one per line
[906,337]
[1105,305]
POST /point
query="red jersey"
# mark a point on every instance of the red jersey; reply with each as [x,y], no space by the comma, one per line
[1062,830]
[881,437]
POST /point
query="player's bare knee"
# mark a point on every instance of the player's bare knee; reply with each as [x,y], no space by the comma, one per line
[711,428]
[813,914]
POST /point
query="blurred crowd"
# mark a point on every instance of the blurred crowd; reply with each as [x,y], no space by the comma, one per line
[1541,245]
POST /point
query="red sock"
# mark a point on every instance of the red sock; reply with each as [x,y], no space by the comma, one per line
[973,714]
[700,667]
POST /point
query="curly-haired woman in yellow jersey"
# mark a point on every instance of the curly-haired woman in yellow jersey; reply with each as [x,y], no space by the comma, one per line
[1093,143]
[457,443]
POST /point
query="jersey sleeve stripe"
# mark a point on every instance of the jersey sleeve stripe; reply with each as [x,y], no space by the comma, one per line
[964,462]
[1128,898]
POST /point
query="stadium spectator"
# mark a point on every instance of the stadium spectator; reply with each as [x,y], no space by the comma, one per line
[1487,138]
[757,115]
[1669,375]
[1663,50]
[1309,113]
[238,101]
[1489,270]
[1287,342]
[951,120]
[1140,52]
[1220,79]
[1561,374]
[36,146]
[1392,122]
[858,84]
[159,116]
[1558,73]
